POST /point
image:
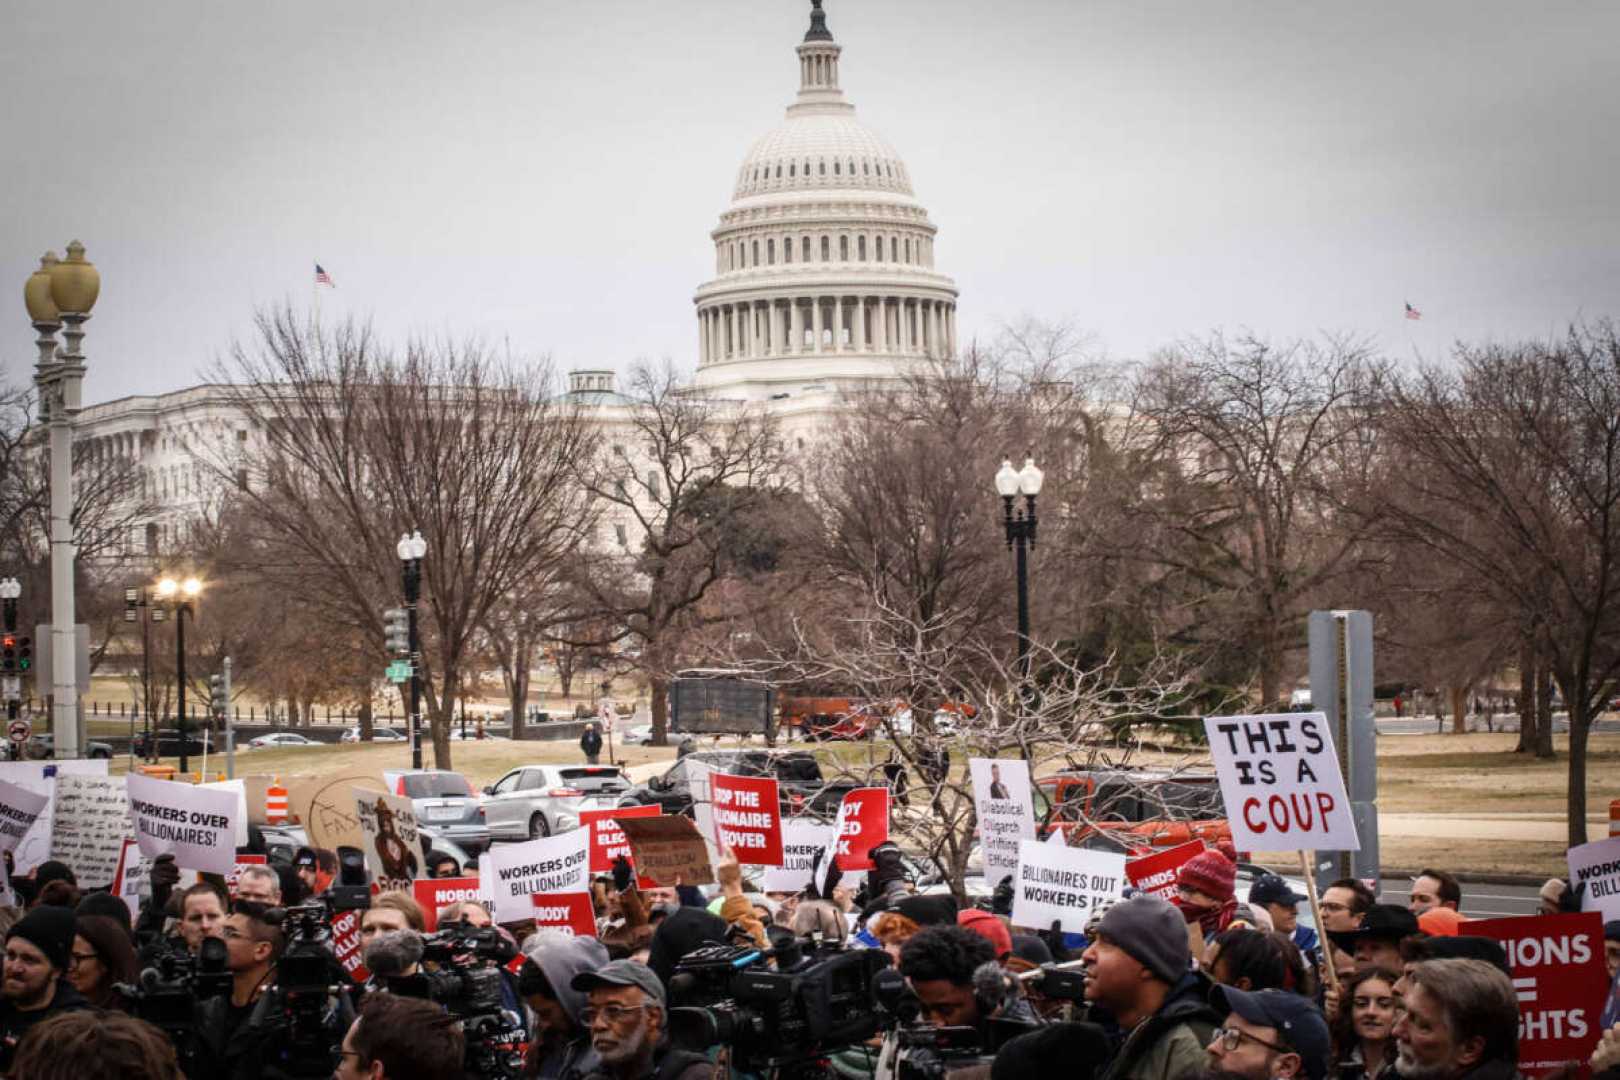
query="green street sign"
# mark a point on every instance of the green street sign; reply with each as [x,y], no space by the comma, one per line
[399,671]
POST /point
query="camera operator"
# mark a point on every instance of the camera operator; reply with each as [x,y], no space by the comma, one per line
[1138,968]
[562,1040]
[401,1038]
[626,1017]
[943,965]
[253,943]
[38,950]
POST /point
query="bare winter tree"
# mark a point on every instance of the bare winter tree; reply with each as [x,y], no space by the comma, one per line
[1509,469]
[358,444]
[681,477]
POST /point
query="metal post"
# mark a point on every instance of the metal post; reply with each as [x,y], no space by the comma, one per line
[180,668]
[146,675]
[413,586]
[1341,662]
[230,727]
[1023,607]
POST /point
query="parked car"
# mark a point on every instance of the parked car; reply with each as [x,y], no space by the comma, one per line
[640,735]
[43,745]
[1134,808]
[540,800]
[378,734]
[280,739]
[170,744]
[801,788]
[444,800]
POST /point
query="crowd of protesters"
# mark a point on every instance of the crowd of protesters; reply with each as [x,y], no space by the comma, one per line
[1207,985]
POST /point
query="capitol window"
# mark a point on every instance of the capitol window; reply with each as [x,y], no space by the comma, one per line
[756,253]
[880,249]
[770,252]
[843,249]
[826,249]
[787,250]
[793,169]
[806,250]
[837,171]
[779,172]
[823,168]
[860,246]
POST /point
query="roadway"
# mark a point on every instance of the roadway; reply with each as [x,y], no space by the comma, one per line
[1500,723]
[1479,901]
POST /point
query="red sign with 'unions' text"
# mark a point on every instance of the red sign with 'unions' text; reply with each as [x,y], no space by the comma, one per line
[1558,974]
[747,817]
[1156,873]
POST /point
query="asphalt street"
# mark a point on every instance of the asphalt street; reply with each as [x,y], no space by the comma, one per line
[1478,901]
[1500,723]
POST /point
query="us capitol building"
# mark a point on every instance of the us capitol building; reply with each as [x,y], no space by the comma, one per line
[823,279]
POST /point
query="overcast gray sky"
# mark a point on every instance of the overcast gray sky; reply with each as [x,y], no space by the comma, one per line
[547,171]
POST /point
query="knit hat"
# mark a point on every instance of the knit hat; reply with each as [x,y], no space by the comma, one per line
[50,870]
[50,930]
[106,904]
[927,909]
[1211,873]
[989,927]
[1031,948]
[1152,932]
[1441,922]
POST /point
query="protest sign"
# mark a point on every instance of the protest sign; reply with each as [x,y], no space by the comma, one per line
[511,873]
[697,782]
[90,822]
[570,912]
[242,862]
[607,839]
[1597,866]
[1005,804]
[130,878]
[195,825]
[435,894]
[239,787]
[19,807]
[346,945]
[1064,884]
[862,824]
[667,849]
[40,778]
[1156,873]
[325,806]
[1560,979]
[388,823]
[1281,783]
[802,840]
[747,817]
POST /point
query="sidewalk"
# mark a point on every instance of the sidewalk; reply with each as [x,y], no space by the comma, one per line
[1544,827]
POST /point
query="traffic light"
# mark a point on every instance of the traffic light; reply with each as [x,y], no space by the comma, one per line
[25,654]
[397,631]
[216,695]
[8,654]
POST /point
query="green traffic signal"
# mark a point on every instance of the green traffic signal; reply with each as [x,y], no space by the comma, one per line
[25,654]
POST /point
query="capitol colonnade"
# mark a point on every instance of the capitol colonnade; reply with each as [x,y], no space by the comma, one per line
[763,328]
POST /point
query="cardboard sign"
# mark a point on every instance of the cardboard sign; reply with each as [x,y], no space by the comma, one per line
[607,839]
[325,806]
[391,846]
[89,825]
[1561,981]
[346,945]
[802,840]
[130,878]
[669,850]
[435,894]
[1281,783]
[1064,884]
[195,825]
[19,809]
[570,912]
[1156,873]
[242,862]
[1597,865]
[1005,804]
[40,778]
[511,873]
[862,824]
[748,818]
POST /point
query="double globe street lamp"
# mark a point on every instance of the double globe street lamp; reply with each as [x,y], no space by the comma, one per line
[59,296]
[1020,524]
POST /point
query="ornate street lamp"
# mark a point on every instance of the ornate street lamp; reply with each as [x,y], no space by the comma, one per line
[411,549]
[1010,482]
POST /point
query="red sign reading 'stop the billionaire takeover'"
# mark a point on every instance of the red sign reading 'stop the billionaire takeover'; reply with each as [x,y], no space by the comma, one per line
[346,945]
[1558,974]
[748,817]
[1156,873]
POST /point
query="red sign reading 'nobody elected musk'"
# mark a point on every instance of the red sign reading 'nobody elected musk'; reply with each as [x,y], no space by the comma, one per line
[1281,784]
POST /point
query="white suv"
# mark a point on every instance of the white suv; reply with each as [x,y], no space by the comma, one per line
[378,734]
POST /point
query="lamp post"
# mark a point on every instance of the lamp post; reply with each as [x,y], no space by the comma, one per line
[1020,525]
[59,295]
[411,549]
[180,597]
[10,589]
[140,607]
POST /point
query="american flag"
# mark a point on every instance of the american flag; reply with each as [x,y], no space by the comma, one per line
[1413,313]
[323,278]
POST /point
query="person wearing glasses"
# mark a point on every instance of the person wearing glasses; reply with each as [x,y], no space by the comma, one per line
[102,955]
[627,1016]
[1139,969]
[254,942]
[1269,1034]
[401,1038]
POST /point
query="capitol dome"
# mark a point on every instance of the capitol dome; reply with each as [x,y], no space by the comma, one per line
[824,261]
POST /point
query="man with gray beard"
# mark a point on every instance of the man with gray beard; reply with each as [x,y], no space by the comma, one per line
[627,1017]
[1461,1023]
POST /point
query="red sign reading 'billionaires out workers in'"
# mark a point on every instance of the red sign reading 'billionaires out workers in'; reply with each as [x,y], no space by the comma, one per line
[1560,980]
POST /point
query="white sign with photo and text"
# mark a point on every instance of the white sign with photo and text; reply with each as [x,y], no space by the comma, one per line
[1006,809]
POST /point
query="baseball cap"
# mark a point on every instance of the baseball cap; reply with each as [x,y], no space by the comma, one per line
[1271,889]
[621,973]
[1298,1021]
[1383,922]
[305,857]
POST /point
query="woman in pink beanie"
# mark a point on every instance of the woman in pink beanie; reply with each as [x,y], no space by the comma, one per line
[1206,891]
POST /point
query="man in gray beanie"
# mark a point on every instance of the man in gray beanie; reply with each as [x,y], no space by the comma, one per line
[1139,968]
